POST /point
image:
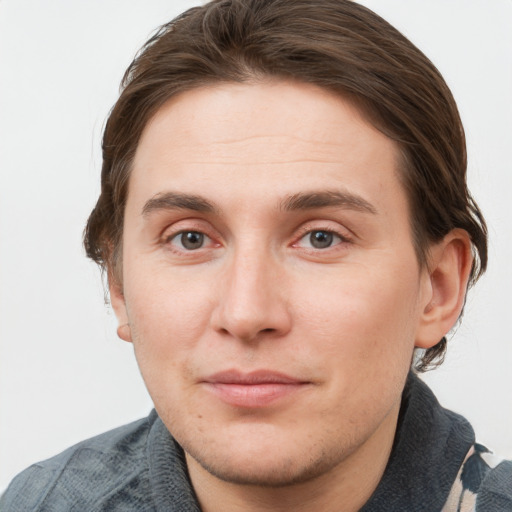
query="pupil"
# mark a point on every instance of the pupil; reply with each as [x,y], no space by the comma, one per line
[321,239]
[192,240]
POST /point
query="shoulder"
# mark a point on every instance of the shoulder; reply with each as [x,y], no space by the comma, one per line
[106,472]
[483,484]
[495,493]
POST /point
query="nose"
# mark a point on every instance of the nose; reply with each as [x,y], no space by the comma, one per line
[252,301]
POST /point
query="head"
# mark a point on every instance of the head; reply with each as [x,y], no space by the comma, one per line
[342,47]
[343,78]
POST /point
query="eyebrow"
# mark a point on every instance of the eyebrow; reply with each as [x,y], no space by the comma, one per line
[328,198]
[295,202]
[177,201]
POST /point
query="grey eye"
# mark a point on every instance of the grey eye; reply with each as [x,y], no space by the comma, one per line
[191,240]
[321,239]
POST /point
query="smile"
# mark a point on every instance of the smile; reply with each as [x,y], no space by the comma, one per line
[254,389]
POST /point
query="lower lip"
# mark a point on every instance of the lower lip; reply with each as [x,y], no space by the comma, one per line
[253,395]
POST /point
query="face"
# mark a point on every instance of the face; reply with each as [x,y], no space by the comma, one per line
[270,282]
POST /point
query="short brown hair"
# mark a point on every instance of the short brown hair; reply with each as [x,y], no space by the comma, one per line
[335,44]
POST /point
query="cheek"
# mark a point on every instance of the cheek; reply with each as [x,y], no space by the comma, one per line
[167,304]
[363,314]
[363,329]
[168,317]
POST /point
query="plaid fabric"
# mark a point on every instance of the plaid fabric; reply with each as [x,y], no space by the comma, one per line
[476,467]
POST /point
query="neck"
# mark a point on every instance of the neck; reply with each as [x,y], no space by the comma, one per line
[346,487]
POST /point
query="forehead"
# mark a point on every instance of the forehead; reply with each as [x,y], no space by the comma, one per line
[274,131]
[258,110]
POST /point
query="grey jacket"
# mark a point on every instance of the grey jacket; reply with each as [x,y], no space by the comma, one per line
[141,468]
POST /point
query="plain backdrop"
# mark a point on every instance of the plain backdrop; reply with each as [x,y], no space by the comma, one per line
[64,375]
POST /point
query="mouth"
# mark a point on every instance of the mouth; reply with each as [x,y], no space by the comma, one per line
[254,389]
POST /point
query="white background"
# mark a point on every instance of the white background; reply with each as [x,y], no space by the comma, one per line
[64,375]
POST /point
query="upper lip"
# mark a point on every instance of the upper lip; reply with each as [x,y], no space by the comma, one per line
[251,378]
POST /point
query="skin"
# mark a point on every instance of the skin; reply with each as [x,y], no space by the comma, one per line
[257,292]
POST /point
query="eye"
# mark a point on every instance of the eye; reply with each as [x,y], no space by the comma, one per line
[189,240]
[320,239]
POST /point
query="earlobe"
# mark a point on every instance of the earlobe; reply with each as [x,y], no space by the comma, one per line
[124,332]
[449,267]
[119,306]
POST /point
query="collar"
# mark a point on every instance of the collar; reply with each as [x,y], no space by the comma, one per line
[429,447]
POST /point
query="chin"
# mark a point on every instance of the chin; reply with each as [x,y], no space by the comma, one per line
[263,473]
[263,462]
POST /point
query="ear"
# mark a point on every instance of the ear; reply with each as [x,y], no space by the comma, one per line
[444,286]
[119,307]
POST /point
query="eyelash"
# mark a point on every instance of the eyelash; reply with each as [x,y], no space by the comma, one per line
[304,232]
[343,238]
[167,240]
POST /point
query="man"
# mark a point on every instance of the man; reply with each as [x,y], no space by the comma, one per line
[284,221]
